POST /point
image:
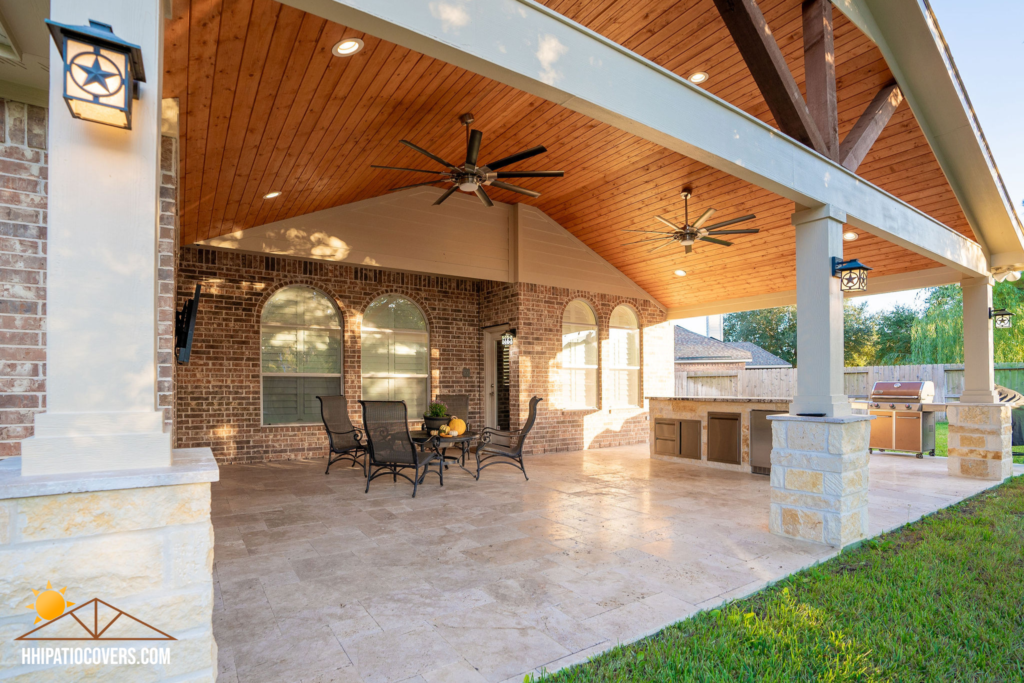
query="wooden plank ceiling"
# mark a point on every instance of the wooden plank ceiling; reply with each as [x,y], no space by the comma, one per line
[267,107]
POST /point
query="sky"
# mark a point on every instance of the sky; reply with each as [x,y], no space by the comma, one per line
[986,38]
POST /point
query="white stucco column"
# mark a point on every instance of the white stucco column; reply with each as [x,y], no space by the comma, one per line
[979,346]
[102,269]
[819,312]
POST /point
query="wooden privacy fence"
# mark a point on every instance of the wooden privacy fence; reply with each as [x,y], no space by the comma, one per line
[857,382]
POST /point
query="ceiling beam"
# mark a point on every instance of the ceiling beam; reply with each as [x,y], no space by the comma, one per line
[869,126]
[820,72]
[764,59]
[529,47]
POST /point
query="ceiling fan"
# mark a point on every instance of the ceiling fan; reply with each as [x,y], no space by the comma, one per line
[472,178]
[688,234]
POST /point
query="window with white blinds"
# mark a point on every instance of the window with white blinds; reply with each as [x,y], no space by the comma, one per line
[396,353]
[300,350]
[624,358]
[579,356]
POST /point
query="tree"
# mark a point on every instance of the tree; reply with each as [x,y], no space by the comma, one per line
[938,335]
[893,335]
[773,329]
[858,334]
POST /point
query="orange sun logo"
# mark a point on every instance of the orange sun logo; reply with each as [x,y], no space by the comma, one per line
[49,603]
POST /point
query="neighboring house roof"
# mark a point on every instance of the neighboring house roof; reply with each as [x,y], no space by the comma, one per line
[696,348]
[760,357]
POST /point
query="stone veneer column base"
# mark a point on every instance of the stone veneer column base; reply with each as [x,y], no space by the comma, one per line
[980,441]
[820,478]
[139,540]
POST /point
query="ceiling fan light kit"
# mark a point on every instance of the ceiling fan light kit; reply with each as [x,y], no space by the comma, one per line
[471,178]
[687,235]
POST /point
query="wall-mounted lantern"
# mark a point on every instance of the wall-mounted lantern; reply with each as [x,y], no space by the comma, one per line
[852,274]
[1003,318]
[508,337]
[101,72]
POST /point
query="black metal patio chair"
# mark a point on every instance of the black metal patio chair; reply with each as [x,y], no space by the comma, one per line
[345,442]
[390,447]
[499,447]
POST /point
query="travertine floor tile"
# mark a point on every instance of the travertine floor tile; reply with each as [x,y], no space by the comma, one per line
[317,582]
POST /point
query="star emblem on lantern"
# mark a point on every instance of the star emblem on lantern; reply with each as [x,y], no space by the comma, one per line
[98,77]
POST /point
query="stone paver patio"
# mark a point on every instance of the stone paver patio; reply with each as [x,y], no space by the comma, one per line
[486,581]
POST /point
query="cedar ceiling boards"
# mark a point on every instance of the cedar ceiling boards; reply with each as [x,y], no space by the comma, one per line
[265,106]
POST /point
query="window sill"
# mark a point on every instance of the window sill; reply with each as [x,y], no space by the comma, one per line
[292,424]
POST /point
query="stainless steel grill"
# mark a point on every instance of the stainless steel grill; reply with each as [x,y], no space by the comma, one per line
[904,417]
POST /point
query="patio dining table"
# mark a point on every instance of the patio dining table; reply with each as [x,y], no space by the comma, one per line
[463,441]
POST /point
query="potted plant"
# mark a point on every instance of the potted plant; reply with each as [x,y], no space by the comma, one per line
[436,416]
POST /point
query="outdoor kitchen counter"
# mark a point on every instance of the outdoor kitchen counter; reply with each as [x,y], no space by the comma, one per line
[676,418]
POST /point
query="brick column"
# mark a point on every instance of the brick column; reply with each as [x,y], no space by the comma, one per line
[820,478]
[980,441]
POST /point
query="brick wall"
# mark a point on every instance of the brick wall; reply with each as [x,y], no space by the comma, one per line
[218,392]
[23,187]
[539,343]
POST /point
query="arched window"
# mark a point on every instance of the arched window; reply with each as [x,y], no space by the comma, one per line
[624,358]
[396,353]
[300,342]
[579,356]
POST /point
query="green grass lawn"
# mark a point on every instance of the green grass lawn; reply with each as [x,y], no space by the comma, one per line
[939,600]
[942,436]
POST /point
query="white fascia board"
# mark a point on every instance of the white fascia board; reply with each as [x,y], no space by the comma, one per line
[908,35]
[527,46]
[881,284]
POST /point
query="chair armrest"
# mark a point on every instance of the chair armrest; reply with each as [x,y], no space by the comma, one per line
[357,434]
[488,432]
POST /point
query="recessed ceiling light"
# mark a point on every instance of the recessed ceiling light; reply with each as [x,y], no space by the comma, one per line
[680,273]
[271,195]
[347,47]
[699,77]
[850,236]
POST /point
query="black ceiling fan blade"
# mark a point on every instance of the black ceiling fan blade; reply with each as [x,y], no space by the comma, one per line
[647,232]
[406,187]
[648,240]
[714,241]
[532,174]
[476,137]
[446,195]
[514,188]
[525,154]
[432,156]
[735,232]
[402,168]
[483,196]
[730,222]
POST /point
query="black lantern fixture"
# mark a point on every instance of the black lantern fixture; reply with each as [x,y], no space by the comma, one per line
[852,274]
[1003,318]
[508,337]
[101,72]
